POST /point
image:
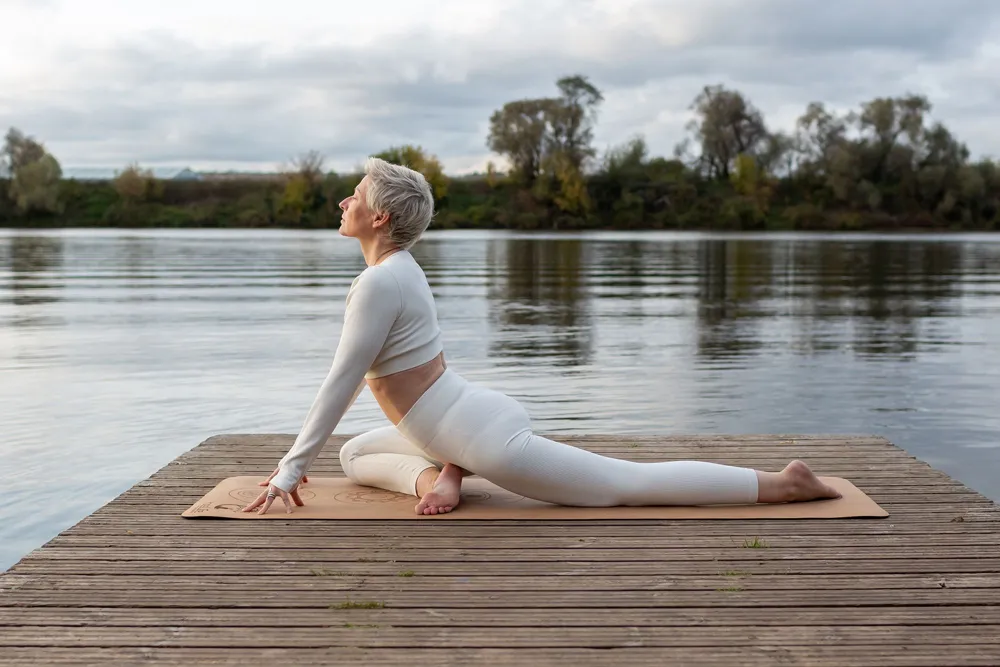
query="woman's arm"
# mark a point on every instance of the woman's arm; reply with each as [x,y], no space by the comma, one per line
[373,304]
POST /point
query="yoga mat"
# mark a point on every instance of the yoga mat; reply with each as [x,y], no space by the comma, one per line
[340,499]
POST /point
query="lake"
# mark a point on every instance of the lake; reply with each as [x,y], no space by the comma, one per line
[122,349]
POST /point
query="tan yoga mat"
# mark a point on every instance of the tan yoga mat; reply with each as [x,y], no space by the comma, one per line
[339,498]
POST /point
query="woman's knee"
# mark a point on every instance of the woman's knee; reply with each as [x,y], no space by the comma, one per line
[349,451]
[359,445]
[386,439]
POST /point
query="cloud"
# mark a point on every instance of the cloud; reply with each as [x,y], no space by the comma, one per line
[253,84]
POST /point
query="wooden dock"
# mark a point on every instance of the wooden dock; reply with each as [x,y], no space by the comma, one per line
[135,583]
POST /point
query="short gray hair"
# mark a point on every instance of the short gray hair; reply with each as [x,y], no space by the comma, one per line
[405,195]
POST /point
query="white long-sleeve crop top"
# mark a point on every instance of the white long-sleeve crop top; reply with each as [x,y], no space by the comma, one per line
[390,325]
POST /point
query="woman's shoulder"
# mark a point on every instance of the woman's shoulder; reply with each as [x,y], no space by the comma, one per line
[375,277]
[376,283]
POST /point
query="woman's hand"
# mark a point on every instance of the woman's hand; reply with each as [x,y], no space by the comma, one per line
[271,476]
[267,497]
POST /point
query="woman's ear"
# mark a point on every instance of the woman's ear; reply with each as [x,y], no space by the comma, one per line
[380,220]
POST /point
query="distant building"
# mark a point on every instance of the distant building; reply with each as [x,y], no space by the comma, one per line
[185,174]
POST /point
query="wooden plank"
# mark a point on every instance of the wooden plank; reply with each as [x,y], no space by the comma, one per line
[692,531]
[912,615]
[884,655]
[910,512]
[274,549]
[136,541]
[342,632]
[328,579]
[722,596]
[34,564]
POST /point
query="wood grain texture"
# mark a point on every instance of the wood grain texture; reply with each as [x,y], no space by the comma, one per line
[134,583]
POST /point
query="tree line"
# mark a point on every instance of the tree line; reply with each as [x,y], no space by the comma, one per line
[886,165]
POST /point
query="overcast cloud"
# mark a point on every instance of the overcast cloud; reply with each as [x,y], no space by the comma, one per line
[247,84]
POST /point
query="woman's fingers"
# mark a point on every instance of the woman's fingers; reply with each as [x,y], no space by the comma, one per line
[269,477]
[269,498]
[272,493]
[266,498]
[256,503]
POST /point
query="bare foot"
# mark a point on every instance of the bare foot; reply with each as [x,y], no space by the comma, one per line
[445,494]
[795,483]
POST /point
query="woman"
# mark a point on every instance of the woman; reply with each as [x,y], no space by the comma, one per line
[444,427]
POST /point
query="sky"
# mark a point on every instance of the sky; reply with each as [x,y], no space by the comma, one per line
[250,84]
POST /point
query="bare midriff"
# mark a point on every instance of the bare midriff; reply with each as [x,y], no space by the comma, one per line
[397,393]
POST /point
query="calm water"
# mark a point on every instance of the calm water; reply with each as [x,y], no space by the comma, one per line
[120,350]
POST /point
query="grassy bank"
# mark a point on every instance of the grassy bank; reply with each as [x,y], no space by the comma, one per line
[669,198]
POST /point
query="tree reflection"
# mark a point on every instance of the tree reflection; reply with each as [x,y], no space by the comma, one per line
[33,262]
[539,306]
[735,278]
[874,296]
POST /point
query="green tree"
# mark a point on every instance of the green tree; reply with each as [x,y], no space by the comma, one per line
[883,123]
[818,135]
[303,195]
[417,159]
[548,142]
[726,125]
[753,184]
[571,118]
[492,176]
[309,166]
[34,174]
[136,185]
[35,186]
[518,132]
[19,151]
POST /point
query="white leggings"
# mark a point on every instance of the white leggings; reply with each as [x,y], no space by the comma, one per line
[489,434]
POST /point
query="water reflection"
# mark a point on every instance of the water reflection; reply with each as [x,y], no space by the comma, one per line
[138,268]
[882,298]
[734,282]
[897,288]
[33,262]
[539,302]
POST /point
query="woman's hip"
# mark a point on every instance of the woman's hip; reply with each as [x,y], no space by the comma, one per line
[463,422]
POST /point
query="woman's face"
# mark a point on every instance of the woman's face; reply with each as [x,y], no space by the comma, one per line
[357,219]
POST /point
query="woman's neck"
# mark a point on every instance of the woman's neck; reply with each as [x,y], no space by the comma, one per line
[377,250]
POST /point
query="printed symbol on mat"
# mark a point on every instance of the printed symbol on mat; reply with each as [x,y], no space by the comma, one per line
[475,496]
[369,496]
[231,508]
[250,495]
